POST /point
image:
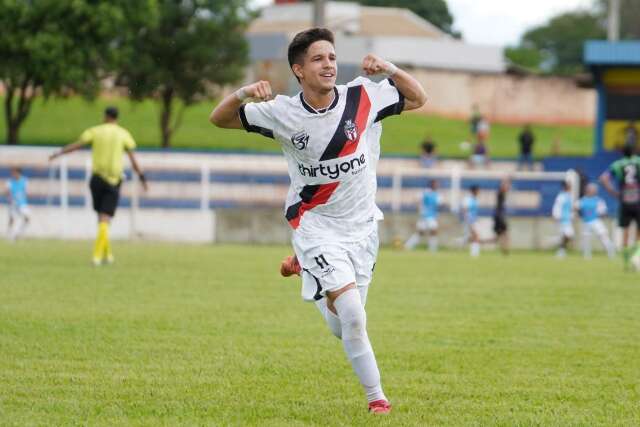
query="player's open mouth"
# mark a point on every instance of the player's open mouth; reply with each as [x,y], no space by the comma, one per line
[327,75]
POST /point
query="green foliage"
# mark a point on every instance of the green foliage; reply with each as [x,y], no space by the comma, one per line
[560,41]
[401,134]
[190,335]
[57,46]
[525,57]
[434,11]
[197,45]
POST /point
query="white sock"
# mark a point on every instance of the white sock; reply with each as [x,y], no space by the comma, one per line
[474,249]
[433,243]
[586,246]
[332,320]
[11,231]
[413,241]
[356,343]
[608,245]
[21,224]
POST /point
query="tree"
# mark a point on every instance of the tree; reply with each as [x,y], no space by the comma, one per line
[525,57]
[198,44]
[434,11]
[559,43]
[54,47]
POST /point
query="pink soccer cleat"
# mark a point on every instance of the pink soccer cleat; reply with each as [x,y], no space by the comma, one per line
[380,407]
[290,266]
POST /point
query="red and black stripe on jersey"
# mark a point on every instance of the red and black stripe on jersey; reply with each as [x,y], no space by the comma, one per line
[356,109]
[312,196]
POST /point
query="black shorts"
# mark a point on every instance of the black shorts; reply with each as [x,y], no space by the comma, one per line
[499,224]
[105,196]
[629,213]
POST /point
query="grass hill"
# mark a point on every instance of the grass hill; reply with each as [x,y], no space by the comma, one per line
[60,121]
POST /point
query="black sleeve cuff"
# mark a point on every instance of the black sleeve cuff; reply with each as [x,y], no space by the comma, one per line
[392,109]
[251,128]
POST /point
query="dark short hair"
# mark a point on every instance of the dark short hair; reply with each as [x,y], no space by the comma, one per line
[111,112]
[301,42]
[627,151]
[474,188]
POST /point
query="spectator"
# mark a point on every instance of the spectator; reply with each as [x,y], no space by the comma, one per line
[526,140]
[480,154]
[474,121]
[428,155]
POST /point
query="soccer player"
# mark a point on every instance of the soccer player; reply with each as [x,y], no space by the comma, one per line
[330,137]
[470,218]
[500,227]
[19,213]
[108,143]
[592,208]
[563,213]
[626,174]
[428,222]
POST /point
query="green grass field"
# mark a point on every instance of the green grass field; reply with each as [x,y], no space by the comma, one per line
[60,121]
[211,335]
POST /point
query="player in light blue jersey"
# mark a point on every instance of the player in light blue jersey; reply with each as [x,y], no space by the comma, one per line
[591,209]
[18,208]
[428,222]
[470,218]
[563,213]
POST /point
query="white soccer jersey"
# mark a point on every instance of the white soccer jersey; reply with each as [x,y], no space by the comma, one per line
[331,155]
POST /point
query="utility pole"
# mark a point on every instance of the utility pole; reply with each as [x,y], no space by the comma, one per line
[318,13]
[613,21]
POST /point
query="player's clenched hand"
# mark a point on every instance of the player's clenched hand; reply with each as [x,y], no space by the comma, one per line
[259,90]
[372,64]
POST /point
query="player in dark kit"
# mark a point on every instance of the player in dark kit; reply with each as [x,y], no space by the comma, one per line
[626,174]
[500,227]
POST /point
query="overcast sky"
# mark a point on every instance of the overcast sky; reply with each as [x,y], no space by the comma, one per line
[498,22]
[502,22]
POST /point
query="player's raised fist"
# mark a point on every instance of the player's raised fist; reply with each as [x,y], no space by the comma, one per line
[259,90]
[372,65]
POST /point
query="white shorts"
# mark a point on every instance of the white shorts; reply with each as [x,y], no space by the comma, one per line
[566,229]
[425,224]
[21,211]
[596,226]
[330,266]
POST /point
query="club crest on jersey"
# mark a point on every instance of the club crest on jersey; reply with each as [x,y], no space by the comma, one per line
[350,130]
[300,139]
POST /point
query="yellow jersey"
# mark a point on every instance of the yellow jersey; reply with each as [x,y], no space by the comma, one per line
[108,143]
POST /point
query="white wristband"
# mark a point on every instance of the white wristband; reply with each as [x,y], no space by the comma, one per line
[391,69]
[241,94]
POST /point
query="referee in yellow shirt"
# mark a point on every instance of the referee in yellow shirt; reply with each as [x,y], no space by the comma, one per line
[108,143]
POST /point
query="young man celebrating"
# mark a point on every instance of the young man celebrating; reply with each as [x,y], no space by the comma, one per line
[330,136]
[108,142]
